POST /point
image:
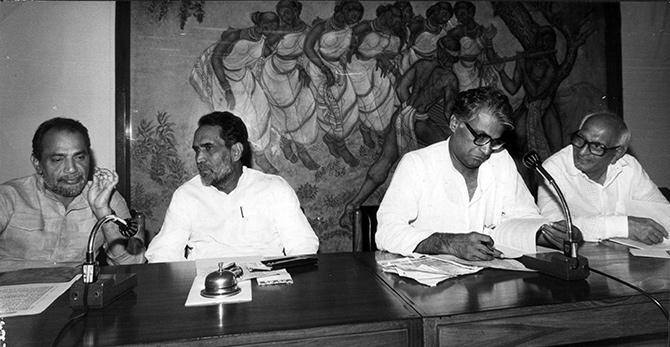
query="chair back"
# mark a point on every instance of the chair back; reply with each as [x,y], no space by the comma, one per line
[365,227]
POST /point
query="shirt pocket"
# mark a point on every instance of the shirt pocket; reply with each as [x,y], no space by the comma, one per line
[26,222]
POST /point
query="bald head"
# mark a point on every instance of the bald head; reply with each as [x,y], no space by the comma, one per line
[611,125]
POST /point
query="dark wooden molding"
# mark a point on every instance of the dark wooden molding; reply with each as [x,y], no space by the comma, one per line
[122,102]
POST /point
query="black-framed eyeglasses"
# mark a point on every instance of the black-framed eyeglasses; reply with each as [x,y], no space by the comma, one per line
[483,139]
[596,148]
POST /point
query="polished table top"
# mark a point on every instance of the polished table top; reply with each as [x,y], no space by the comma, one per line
[347,288]
[339,291]
[492,289]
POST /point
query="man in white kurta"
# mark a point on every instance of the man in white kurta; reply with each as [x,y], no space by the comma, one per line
[462,195]
[229,210]
[620,200]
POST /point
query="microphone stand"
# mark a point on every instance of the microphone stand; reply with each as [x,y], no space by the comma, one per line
[569,265]
[104,288]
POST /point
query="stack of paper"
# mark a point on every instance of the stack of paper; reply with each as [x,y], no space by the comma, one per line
[427,270]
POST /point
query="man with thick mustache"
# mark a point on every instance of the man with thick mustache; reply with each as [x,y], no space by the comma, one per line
[461,195]
[230,209]
[46,218]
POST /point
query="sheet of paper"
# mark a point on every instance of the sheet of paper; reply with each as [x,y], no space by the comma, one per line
[195,299]
[278,277]
[517,236]
[639,245]
[653,253]
[29,299]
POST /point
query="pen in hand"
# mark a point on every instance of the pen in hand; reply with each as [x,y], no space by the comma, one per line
[493,251]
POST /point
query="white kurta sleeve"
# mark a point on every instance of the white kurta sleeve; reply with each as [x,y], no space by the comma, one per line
[295,232]
[169,243]
[400,206]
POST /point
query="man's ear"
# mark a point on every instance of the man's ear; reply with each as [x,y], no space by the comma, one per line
[453,123]
[619,154]
[236,151]
[36,165]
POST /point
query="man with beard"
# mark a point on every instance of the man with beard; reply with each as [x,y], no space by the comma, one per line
[46,218]
[229,209]
[460,195]
[609,192]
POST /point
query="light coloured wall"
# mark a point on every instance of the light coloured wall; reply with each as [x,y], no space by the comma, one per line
[645,36]
[56,59]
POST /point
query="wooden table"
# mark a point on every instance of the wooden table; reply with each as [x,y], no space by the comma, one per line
[340,303]
[496,307]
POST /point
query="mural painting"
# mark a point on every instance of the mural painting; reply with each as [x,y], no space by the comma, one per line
[335,92]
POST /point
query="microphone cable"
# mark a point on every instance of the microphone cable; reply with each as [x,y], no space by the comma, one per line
[653,299]
[73,319]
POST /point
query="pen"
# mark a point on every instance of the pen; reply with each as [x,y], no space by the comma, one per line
[241,212]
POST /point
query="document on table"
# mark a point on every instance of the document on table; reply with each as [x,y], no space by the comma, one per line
[426,270]
[658,212]
[32,298]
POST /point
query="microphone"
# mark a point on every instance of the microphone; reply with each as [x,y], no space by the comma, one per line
[569,265]
[105,287]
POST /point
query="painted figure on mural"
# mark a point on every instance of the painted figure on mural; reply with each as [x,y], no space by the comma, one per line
[285,81]
[537,119]
[425,32]
[476,48]
[372,70]
[328,47]
[225,77]
[427,83]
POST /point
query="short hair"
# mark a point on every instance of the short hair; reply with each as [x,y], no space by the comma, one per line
[440,5]
[295,4]
[259,17]
[470,102]
[467,5]
[232,131]
[618,125]
[58,124]
[339,6]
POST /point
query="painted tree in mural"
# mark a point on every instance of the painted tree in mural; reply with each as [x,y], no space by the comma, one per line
[538,124]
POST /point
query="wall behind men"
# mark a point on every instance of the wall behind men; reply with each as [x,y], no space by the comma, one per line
[645,42]
[56,59]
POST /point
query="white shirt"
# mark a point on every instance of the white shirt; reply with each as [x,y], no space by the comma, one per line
[427,195]
[598,210]
[260,217]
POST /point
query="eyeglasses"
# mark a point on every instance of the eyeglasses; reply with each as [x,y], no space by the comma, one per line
[596,148]
[483,139]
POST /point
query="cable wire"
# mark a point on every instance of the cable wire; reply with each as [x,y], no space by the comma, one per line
[653,299]
[73,319]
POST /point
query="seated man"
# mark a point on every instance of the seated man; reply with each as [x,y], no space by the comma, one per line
[229,209]
[605,187]
[459,195]
[46,218]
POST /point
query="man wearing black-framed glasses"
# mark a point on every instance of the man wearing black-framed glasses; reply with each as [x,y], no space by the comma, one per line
[608,191]
[463,196]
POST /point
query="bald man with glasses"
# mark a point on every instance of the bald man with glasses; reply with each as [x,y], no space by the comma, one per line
[608,191]
[464,196]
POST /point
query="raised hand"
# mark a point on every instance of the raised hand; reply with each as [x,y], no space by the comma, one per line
[100,191]
[645,230]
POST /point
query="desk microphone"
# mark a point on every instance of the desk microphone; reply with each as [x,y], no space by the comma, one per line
[106,287]
[569,265]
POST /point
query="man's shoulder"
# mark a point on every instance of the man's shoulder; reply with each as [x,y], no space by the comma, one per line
[562,158]
[20,185]
[265,180]
[194,185]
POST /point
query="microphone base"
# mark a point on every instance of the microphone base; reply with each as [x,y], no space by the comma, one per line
[557,265]
[106,289]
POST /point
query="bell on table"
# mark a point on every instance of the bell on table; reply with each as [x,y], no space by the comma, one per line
[222,282]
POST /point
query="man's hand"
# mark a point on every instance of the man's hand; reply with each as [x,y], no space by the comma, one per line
[471,246]
[645,230]
[555,233]
[100,191]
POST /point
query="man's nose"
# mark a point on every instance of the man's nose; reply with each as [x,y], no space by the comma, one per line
[199,157]
[486,149]
[69,165]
